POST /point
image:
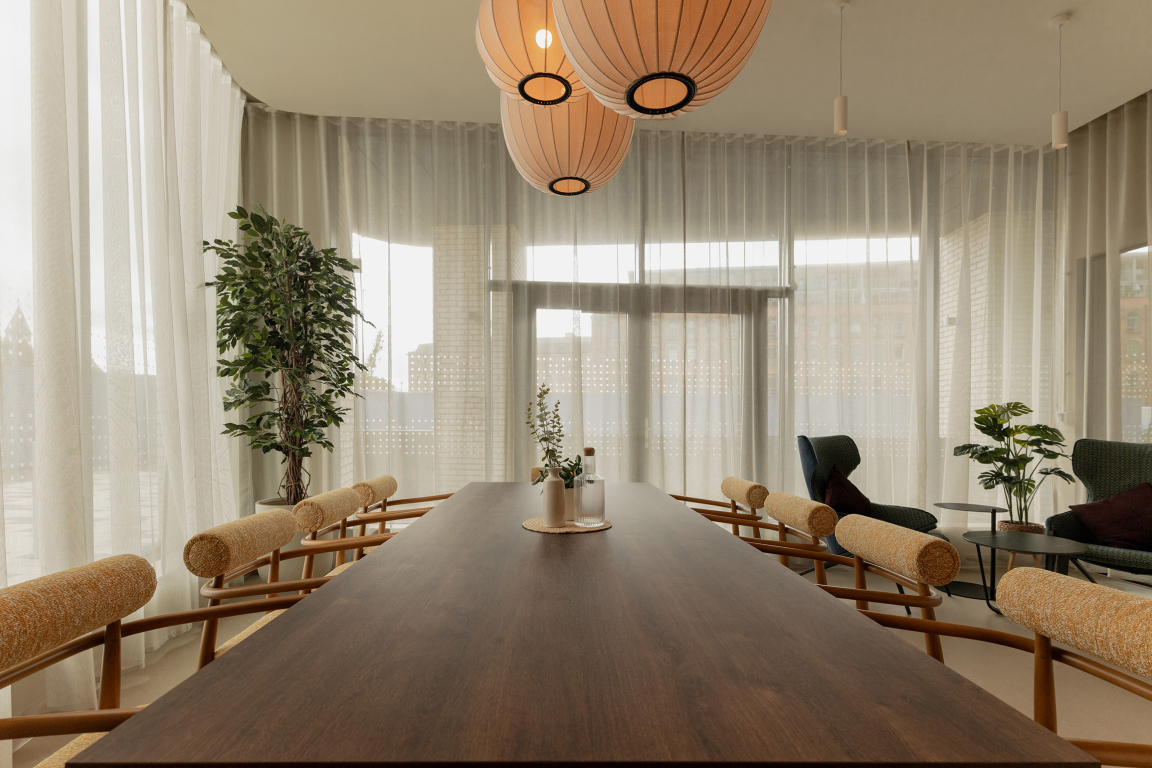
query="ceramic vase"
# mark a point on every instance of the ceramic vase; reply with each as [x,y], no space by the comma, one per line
[554,499]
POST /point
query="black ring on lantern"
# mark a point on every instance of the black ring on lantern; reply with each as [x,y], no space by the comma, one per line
[548,103]
[689,85]
[552,186]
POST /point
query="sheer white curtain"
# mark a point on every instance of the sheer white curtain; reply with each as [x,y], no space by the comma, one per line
[721,296]
[121,155]
[1106,229]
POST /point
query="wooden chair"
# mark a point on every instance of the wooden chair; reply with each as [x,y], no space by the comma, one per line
[233,550]
[54,617]
[743,499]
[376,507]
[1115,626]
[907,558]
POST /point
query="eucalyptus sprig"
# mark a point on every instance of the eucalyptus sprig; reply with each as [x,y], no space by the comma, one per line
[548,430]
[1016,458]
[287,312]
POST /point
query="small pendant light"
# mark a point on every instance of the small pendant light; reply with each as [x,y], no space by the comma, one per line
[518,42]
[840,105]
[1060,116]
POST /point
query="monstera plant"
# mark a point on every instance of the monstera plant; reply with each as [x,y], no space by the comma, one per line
[286,312]
[1015,460]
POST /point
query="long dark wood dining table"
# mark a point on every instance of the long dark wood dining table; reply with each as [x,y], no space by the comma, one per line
[468,639]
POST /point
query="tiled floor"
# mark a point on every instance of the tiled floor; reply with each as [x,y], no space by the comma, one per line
[1087,707]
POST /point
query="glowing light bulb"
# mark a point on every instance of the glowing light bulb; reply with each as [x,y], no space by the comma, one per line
[543,38]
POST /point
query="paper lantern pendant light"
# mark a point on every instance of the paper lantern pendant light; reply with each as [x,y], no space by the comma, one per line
[658,59]
[568,149]
[518,42]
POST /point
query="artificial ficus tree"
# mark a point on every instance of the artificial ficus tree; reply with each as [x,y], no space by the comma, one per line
[287,312]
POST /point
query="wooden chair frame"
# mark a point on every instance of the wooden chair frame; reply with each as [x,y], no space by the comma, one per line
[738,515]
[216,590]
[367,515]
[808,543]
[1044,687]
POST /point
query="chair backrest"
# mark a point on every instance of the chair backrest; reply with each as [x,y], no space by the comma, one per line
[811,517]
[219,550]
[41,614]
[327,508]
[1112,625]
[1107,468]
[375,490]
[744,492]
[819,454]
[911,554]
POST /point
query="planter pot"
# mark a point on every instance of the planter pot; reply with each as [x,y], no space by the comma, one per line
[294,568]
[1005,525]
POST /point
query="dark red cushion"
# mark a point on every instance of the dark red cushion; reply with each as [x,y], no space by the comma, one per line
[1123,520]
[844,497]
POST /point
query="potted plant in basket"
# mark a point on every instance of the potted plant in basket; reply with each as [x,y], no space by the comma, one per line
[286,310]
[1015,460]
[548,431]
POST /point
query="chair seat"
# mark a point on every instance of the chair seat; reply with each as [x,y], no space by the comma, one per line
[1129,560]
[341,568]
[905,517]
[248,632]
[69,750]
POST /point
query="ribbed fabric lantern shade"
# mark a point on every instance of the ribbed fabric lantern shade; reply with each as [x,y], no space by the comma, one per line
[658,59]
[518,42]
[569,149]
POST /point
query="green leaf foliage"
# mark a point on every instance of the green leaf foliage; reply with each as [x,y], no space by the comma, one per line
[548,431]
[285,331]
[1016,455]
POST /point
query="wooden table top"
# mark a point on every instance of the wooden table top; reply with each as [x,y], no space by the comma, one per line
[468,639]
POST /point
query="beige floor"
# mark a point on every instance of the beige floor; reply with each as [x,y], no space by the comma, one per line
[1087,707]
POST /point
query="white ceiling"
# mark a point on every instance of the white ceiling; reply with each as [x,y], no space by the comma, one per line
[962,70]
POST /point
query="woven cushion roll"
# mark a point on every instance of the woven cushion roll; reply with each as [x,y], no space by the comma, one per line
[1115,626]
[811,517]
[376,489]
[327,508]
[40,614]
[912,554]
[752,494]
[218,550]
[535,473]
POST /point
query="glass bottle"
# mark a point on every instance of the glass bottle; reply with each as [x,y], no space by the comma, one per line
[589,487]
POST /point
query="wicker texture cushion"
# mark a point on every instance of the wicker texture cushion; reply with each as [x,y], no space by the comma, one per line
[341,568]
[69,750]
[1112,625]
[744,491]
[535,472]
[247,632]
[376,489]
[327,508]
[911,554]
[218,550]
[40,614]
[811,517]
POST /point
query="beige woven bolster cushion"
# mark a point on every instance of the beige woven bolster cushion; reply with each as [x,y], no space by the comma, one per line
[1107,623]
[911,554]
[327,508]
[752,494]
[218,550]
[811,517]
[535,473]
[376,489]
[40,614]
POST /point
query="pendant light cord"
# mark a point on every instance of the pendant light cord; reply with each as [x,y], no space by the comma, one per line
[841,50]
[1060,68]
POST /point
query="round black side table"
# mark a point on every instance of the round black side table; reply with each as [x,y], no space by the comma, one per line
[969,589]
[1057,553]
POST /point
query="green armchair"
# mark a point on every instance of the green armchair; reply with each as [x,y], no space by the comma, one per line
[1106,468]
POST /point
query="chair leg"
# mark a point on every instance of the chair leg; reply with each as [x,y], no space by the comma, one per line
[110,669]
[208,634]
[782,534]
[931,642]
[861,580]
[1044,693]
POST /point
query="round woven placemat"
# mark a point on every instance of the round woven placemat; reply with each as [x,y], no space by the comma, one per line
[537,524]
